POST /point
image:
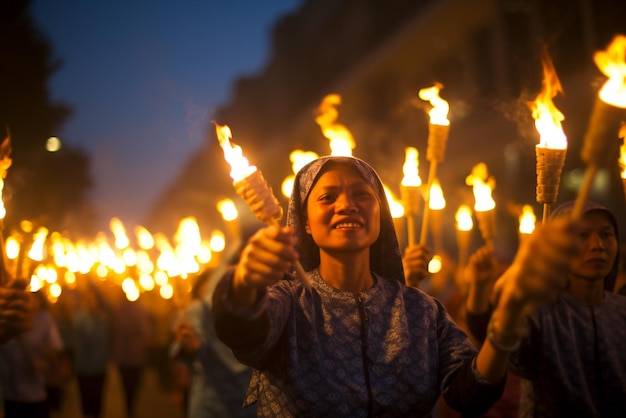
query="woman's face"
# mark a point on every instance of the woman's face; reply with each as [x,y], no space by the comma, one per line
[343,213]
[599,247]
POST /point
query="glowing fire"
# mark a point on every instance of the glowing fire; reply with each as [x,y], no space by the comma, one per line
[240,168]
[144,238]
[463,218]
[436,200]
[228,209]
[410,168]
[483,185]
[439,113]
[547,117]
[395,206]
[611,63]
[298,160]
[341,140]
[527,220]
[119,232]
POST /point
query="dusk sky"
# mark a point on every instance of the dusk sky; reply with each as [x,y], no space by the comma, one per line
[144,79]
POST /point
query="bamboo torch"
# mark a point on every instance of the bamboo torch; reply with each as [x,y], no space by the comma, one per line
[250,184]
[409,190]
[599,146]
[484,205]
[552,148]
[437,137]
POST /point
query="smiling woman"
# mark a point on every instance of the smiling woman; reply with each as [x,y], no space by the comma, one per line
[330,350]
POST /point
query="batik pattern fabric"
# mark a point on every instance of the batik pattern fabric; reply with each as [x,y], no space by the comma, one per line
[574,359]
[391,350]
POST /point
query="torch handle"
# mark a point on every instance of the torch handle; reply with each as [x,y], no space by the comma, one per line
[296,265]
[432,172]
[546,213]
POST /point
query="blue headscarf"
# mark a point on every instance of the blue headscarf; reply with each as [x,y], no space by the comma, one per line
[590,206]
[385,258]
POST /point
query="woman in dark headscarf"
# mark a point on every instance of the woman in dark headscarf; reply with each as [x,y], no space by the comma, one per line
[360,342]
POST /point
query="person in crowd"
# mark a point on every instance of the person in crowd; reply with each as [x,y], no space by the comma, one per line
[571,360]
[361,342]
[218,380]
[24,362]
[16,314]
[132,335]
[92,326]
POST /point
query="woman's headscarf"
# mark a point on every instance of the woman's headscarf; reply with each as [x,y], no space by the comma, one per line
[589,206]
[385,258]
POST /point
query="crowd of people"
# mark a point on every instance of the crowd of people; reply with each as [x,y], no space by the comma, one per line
[539,335]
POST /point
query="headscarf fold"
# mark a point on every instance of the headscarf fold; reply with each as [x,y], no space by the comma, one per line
[385,258]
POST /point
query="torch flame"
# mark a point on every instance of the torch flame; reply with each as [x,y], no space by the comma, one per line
[463,218]
[37,249]
[395,206]
[341,140]
[119,232]
[228,209]
[144,238]
[547,117]
[436,199]
[612,64]
[298,159]
[439,113]
[482,188]
[527,220]
[240,168]
[410,168]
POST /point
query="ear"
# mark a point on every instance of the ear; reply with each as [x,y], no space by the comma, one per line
[307,228]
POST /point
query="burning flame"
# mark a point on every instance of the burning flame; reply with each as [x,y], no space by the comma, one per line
[36,252]
[439,113]
[463,218]
[144,238]
[341,140]
[410,168]
[395,206]
[436,200]
[228,209]
[240,168]
[119,232]
[547,117]
[435,264]
[298,160]
[527,220]
[611,63]
[482,188]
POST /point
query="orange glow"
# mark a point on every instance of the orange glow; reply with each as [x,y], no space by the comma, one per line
[395,206]
[119,232]
[436,200]
[240,168]
[298,160]
[439,112]
[611,63]
[527,220]
[410,168]
[228,209]
[36,252]
[547,117]
[482,185]
[5,163]
[463,218]
[144,238]
[341,140]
